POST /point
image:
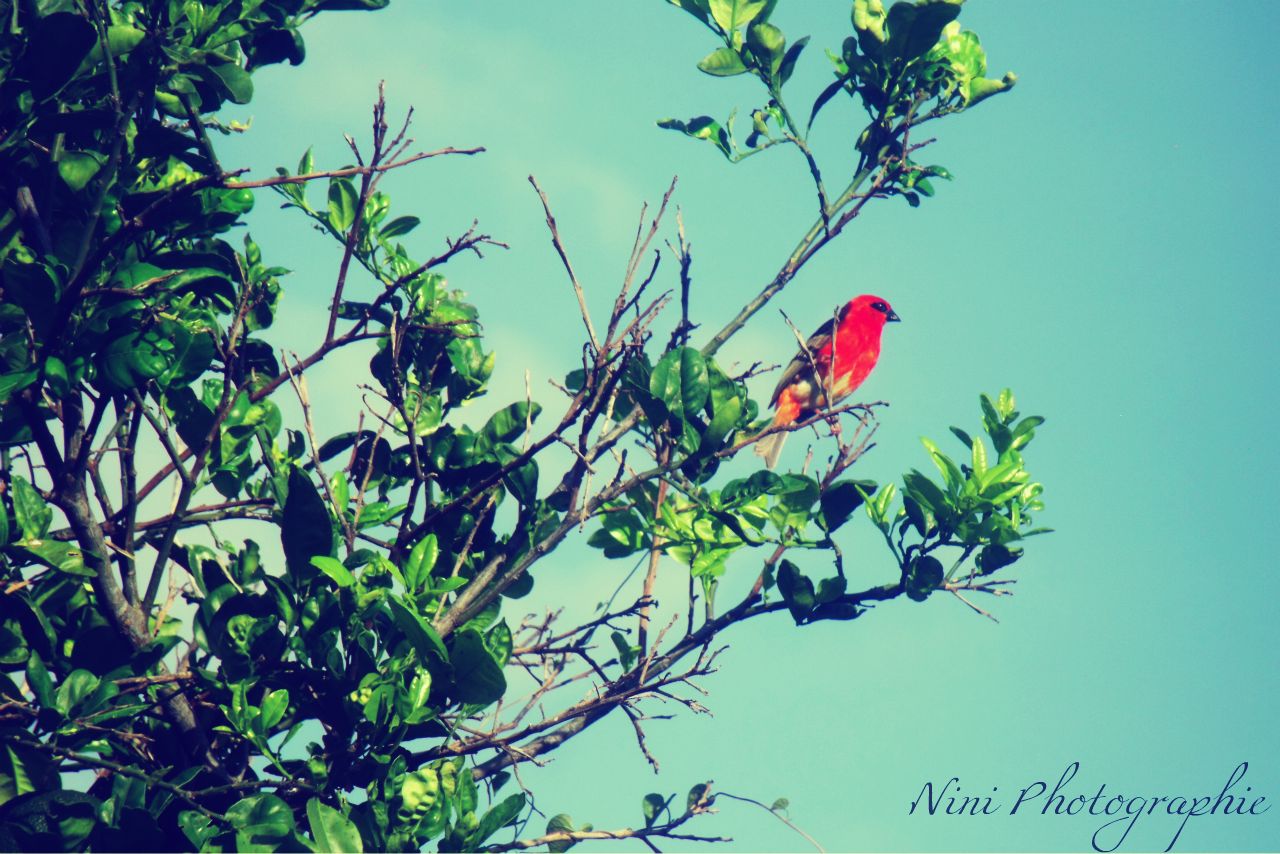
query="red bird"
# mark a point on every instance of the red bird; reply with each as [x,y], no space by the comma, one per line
[856,346]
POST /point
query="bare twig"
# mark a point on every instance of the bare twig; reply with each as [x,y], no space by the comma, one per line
[655,555]
[644,834]
[299,383]
[568,267]
[349,172]
[777,813]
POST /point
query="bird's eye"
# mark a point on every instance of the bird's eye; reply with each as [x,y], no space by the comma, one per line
[880,307]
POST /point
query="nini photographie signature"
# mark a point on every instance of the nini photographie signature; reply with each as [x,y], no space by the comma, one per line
[1121,812]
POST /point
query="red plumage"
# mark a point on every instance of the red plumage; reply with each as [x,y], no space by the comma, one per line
[854,347]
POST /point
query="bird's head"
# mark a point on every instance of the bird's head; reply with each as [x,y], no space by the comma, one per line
[870,309]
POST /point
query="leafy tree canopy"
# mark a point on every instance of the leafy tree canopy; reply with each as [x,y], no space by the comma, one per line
[345,695]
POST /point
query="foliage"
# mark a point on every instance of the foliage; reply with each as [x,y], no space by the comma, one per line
[344,695]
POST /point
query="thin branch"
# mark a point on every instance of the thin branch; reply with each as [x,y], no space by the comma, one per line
[776,813]
[349,172]
[818,235]
[682,251]
[299,383]
[564,259]
[94,761]
[657,831]
[655,555]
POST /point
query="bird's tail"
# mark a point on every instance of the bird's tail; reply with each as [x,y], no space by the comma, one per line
[770,447]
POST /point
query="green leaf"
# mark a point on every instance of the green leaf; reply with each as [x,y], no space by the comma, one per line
[926,492]
[1006,403]
[496,818]
[77,168]
[652,807]
[869,21]
[22,783]
[274,705]
[305,530]
[34,288]
[726,404]
[950,471]
[15,382]
[680,381]
[197,828]
[333,568]
[336,445]
[723,62]
[33,515]
[980,88]
[422,560]
[830,589]
[963,54]
[421,635]
[562,824]
[767,43]
[796,590]
[702,127]
[399,226]
[75,688]
[477,677]
[924,575]
[341,491]
[236,82]
[49,821]
[522,481]
[622,532]
[342,204]
[995,557]
[788,66]
[747,489]
[509,422]
[1025,431]
[878,505]
[64,557]
[914,28]
[700,9]
[840,500]
[193,419]
[733,14]
[796,496]
[38,679]
[883,500]
[979,456]
[421,797]
[192,354]
[499,642]
[626,652]
[332,831]
[261,816]
[917,514]
[58,43]
[1027,424]
[698,796]
[120,40]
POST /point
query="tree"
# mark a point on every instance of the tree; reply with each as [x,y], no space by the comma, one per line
[344,695]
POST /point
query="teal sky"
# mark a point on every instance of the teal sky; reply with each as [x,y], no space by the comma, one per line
[1106,251]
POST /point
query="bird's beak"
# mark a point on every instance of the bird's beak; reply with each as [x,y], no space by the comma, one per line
[892,317]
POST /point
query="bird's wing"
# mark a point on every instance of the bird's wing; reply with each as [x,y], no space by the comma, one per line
[818,347]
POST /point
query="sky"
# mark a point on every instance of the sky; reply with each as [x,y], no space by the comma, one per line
[1103,251]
